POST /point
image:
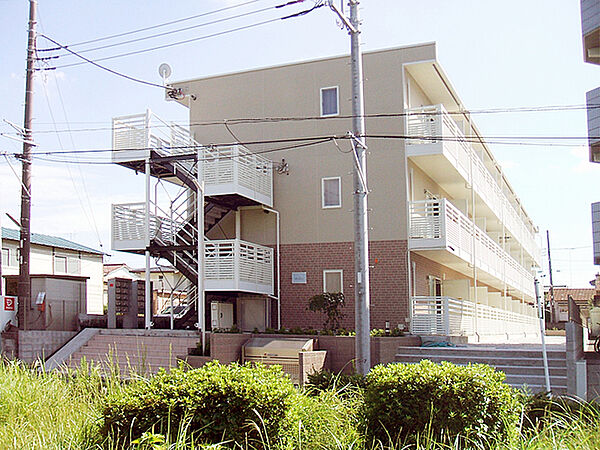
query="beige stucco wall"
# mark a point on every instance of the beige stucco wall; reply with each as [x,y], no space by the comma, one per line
[294,91]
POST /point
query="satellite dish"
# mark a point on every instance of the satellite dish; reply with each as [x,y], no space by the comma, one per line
[164,70]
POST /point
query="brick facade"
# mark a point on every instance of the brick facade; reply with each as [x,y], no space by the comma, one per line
[389,281]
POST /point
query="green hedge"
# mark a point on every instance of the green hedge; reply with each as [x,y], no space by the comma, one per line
[428,399]
[216,403]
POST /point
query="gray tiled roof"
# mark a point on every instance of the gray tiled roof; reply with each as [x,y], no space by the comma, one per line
[49,241]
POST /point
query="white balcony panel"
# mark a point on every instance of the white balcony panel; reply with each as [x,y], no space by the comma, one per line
[440,148]
[232,170]
[446,316]
[441,232]
[235,170]
[236,265]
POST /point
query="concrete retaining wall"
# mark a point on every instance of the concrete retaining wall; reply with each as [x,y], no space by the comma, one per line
[39,344]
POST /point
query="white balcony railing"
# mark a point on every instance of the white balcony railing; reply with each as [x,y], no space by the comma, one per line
[234,264]
[226,170]
[437,224]
[434,126]
[447,316]
[229,265]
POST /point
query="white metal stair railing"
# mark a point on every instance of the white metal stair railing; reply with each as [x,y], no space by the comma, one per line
[433,124]
[134,136]
[447,316]
[439,224]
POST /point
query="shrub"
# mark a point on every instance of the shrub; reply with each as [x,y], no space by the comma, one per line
[325,380]
[216,403]
[405,400]
[331,305]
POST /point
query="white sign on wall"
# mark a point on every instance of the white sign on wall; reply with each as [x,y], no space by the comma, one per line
[298,277]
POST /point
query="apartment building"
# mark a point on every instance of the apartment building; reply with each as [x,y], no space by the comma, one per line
[451,247]
[590,29]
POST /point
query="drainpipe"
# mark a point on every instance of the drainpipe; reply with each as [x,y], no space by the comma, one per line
[278,297]
[148,291]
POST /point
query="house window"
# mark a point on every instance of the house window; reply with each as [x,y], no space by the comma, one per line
[329,101]
[9,257]
[331,190]
[74,266]
[60,264]
[333,281]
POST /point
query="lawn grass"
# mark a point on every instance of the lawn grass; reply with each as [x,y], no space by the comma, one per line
[41,410]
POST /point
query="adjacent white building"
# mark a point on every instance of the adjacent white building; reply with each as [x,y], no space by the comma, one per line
[52,255]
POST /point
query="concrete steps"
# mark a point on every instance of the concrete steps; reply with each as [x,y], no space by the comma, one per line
[132,351]
[523,367]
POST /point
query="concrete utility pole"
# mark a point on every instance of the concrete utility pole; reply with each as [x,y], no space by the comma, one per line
[552,313]
[361,230]
[540,305]
[24,284]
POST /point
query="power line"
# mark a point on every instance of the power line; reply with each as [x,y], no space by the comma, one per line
[295,139]
[164,24]
[114,72]
[258,120]
[186,41]
[165,33]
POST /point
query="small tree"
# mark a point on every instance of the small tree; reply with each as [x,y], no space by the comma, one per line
[330,304]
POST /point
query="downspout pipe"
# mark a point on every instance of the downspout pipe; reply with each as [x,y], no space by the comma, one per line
[278,296]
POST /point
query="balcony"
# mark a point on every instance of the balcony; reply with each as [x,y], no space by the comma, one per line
[227,171]
[440,231]
[446,316]
[440,149]
[229,265]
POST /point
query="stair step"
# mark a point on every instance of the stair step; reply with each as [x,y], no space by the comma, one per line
[475,359]
[457,351]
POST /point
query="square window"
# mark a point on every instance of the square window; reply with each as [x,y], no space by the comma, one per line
[329,101]
[331,192]
[60,264]
[74,266]
[333,281]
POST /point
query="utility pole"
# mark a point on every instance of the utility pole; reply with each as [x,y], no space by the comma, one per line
[552,314]
[361,230]
[540,305]
[24,284]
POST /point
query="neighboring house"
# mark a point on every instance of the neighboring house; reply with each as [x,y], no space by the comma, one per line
[451,247]
[51,255]
[581,296]
[167,283]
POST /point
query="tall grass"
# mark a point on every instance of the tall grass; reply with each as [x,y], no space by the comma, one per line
[41,410]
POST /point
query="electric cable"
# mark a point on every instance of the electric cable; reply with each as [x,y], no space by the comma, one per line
[152,27]
[260,120]
[168,45]
[165,33]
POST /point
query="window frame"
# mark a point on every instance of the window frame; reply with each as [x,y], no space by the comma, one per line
[328,271]
[323,180]
[337,101]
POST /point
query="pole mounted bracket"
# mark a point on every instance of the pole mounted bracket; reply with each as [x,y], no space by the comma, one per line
[351,28]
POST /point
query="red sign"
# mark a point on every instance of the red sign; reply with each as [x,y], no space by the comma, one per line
[9,303]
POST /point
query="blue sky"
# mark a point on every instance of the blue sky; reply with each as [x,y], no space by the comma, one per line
[515,53]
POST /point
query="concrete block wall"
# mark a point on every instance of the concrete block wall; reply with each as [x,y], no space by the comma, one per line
[40,344]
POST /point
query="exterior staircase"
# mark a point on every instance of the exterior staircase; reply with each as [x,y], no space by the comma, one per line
[523,367]
[130,352]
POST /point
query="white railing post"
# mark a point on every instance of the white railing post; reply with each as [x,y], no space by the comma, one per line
[236,263]
[446,316]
